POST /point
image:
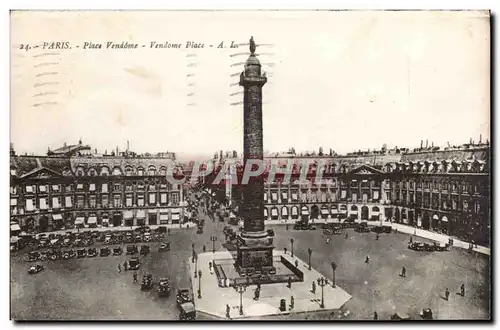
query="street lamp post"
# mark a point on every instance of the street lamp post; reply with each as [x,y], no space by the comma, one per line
[291,242]
[199,284]
[240,288]
[193,253]
[213,239]
[322,282]
[310,251]
[334,266]
[195,266]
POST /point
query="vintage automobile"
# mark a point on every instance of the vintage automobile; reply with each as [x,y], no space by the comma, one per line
[164,247]
[187,312]
[104,252]
[43,243]
[55,255]
[129,238]
[81,253]
[363,228]
[429,247]
[399,316]
[131,249]
[66,242]
[303,225]
[68,254]
[147,282]
[91,252]
[426,314]
[147,237]
[33,256]
[134,264]
[137,238]
[349,223]
[144,250]
[199,230]
[35,269]
[161,229]
[164,287]
[54,243]
[441,246]
[183,296]
[108,239]
[117,251]
[416,246]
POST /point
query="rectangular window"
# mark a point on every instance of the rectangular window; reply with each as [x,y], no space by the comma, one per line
[140,186]
[128,201]
[163,198]
[68,201]
[80,200]
[104,188]
[375,194]
[55,187]
[117,201]
[274,197]
[389,196]
[284,196]
[104,200]
[92,201]
[13,190]
[152,199]
[55,202]
[79,186]
[175,198]
[92,187]
[13,201]
[355,197]
[116,187]
[152,187]
[29,205]
[43,203]
[69,188]
[140,200]
[29,189]
[43,188]
[163,186]
[343,194]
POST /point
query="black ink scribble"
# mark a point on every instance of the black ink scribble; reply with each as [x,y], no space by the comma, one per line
[233,94]
[46,83]
[191,84]
[237,64]
[191,55]
[234,84]
[235,74]
[190,94]
[191,65]
[190,75]
[236,103]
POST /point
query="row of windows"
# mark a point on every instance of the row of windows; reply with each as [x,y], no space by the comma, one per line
[453,186]
[117,201]
[446,203]
[375,195]
[129,171]
[94,187]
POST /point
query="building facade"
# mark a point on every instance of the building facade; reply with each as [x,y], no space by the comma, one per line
[445,191]
[49,193]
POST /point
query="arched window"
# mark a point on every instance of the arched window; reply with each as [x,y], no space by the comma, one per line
[129,171]
[104,171]
[354,208]
[140,171]
[163,171]
[152,171]
[80,171]
[117,171]
[92,172]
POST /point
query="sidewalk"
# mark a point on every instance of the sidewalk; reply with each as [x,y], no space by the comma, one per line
[400,228]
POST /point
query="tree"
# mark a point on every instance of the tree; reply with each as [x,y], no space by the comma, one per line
[320,151]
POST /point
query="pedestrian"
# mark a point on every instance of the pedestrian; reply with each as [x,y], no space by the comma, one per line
[289,282]
[135,277]
[375,315]
[204,248]
[285,250]
[168,231]
[377,237]
[125,265]
[228,310]
[462,290]
[403,271]
[313,287]
[447,294]
[367,260]
[411,239]
[296,263]
[292,302]
[119,268]
[346,236]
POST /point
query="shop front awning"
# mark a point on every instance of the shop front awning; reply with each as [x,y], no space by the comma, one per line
[444,218]
[15,227]
[284,211]
[127,215]
[57,217]
[79,221]
[92,220]
[176,211]
[324,211]
[304,212]
[343,208]
[176,216]
[295,211]
[354,212]
[164,216]
[435,217]
[274,212]
[141,214]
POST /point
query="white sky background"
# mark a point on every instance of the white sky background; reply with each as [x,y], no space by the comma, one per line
[341,80]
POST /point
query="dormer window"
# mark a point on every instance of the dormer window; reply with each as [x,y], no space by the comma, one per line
[13,172]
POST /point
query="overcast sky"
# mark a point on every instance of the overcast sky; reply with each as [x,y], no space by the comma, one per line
[341,80]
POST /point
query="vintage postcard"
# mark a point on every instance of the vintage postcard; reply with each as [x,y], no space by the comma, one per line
[250,165]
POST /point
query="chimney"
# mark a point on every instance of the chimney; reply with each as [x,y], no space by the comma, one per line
[426,143]
[421,144]
[95,150]
[128,146]
[480,138]
[64,145]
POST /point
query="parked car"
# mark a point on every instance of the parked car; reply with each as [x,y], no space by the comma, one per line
[131,249]
[35,269]
[426,314]
[164,247]
[33,256]
[117,251]
[363,227]
[134,264]
[164,287]
[81,253]
[91,252]
[104,252]
[416,246]
[68,254]
[144,250]
[147,282]
[187,312]
[441,246]
[147,237]
[183,296]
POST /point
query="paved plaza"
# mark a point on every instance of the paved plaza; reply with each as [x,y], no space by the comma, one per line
[270,296]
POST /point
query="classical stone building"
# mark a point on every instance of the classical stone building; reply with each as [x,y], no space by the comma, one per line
[441,190]
[54,192]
